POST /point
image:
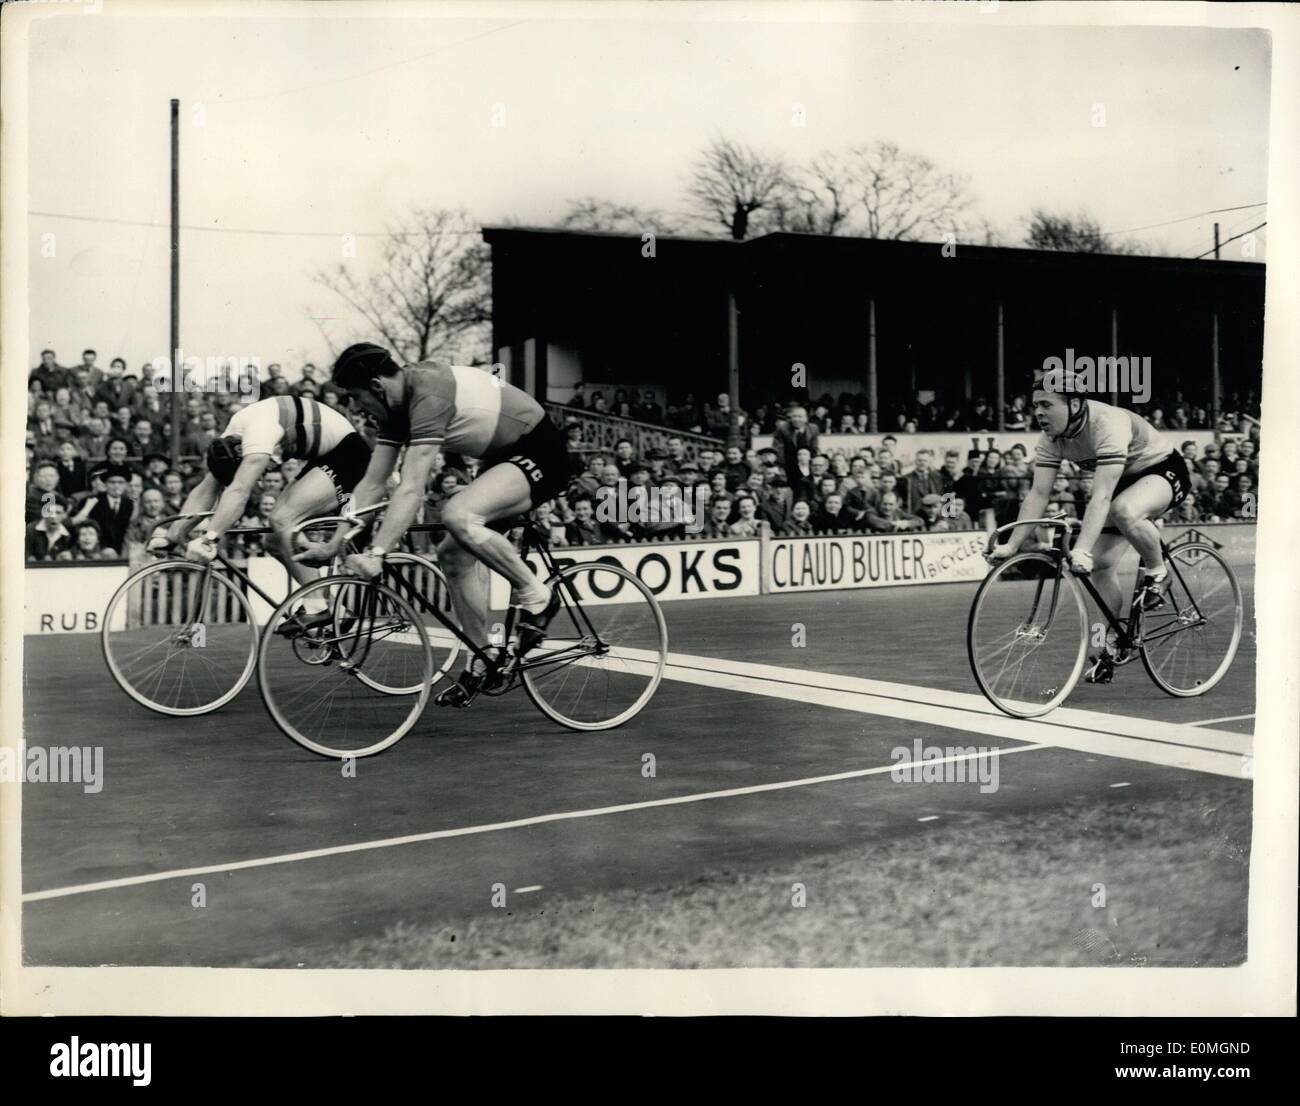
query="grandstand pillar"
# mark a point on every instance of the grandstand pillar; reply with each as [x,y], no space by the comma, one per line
[873,388]
[733,351]
[174,356]
[535,368]
[1114,352]
[505,359]
[1001,385]
[1216,399]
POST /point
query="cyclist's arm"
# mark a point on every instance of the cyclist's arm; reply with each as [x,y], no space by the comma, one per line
[1034,503]
[409,497]
[370,489]
[230,507]
[1094,518]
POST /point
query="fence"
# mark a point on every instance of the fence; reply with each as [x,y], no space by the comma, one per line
[173,598]
[604,432]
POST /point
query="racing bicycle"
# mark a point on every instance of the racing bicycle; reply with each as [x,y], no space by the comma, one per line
[1028,632]
[329,686]
[181,638]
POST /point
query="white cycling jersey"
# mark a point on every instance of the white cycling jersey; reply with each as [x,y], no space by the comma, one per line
[288,426]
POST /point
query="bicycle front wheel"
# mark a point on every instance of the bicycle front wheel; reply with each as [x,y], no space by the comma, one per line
[1190,640]
[604,652]
[179,638]
[312,679]
[415,576]
[1027,635]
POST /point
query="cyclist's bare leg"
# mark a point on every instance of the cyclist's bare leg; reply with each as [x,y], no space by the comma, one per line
[1132,511]
[1106,555]
[467,581]
[470,548]
[310,496]
[500,492]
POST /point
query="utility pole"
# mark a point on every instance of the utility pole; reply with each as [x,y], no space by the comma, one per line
[1216,241]
[176,286]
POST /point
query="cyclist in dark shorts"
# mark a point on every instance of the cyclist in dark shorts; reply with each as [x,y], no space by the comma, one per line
[1139,476]
[264,433]
[433,405]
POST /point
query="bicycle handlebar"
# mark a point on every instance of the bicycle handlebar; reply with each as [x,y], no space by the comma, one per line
[355,517]
[1060,521]
[178,518]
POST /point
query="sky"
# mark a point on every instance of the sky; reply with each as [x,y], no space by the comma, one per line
[310,128]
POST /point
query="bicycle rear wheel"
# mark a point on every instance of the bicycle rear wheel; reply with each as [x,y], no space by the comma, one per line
[604,652]
[312,681]
[1189,642]
[1027,635]
[179,638]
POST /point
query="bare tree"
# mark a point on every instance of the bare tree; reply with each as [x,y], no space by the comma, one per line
[983,232]
[590,213]
[906,196]
[430,290]
[814,199]
[730,182]
[1078,233]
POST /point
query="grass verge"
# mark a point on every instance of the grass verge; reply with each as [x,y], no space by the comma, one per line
[1109,883]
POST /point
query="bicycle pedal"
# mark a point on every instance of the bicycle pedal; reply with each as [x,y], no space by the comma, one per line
[463,692]
[1102,671]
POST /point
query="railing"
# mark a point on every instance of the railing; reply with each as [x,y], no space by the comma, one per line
[172,599]
[602,432]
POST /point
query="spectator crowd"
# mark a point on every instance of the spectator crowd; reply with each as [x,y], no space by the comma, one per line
[803,484]
[100,473]
[848,413]
[99,467]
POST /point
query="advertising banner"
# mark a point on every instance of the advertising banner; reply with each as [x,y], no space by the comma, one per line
[874,561]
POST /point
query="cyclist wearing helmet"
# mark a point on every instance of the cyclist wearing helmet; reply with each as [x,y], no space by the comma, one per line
[433,405]
[1138,477]
[270,431]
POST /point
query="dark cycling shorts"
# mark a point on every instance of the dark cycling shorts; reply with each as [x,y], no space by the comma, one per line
[345,464]
[542,455]
[1173,470]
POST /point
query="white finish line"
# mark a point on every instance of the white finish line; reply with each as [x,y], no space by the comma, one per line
[1219,752]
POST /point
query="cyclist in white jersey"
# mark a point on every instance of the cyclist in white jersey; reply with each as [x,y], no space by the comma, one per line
[266,432]
[1138,477]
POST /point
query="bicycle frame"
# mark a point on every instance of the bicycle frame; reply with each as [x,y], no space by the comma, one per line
[1124,628]
[506,664]
[220,561]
